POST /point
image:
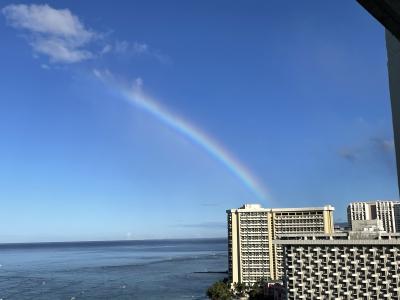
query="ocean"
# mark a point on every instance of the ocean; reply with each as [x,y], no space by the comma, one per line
[156,269]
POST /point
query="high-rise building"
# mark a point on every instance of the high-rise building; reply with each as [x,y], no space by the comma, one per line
[252,229]
[393,53]
[371,210]
[363,264]
[387,12]
[397,216]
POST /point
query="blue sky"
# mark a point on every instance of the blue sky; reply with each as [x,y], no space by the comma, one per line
[296,94]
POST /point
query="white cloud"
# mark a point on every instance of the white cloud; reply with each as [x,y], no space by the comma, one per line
[45,19]
[60,51]
[110,79]
[131,48]
[121,47]
[104,75]
[140,48]
[56,33]
[107,48]
[62,37]
[137,48]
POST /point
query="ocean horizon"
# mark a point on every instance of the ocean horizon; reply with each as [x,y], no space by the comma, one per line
[108,241]
[130,269]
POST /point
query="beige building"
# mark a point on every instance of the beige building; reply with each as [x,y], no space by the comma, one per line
[252,229]
[371,210]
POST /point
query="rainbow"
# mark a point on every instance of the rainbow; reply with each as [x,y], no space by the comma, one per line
[138,98]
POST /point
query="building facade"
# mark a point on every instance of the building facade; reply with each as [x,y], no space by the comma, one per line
[397,216]
[342,268]
[371,210]
[252,229]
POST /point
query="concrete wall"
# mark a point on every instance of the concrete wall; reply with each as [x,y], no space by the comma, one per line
[367,269]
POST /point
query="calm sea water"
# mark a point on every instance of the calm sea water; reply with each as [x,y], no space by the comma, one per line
[163,269]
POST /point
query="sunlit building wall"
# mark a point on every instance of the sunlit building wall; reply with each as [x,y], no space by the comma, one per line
[397,216]
[252,229]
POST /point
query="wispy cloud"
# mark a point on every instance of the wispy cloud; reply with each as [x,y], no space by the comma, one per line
[127,48]
[135,47]
[110,79]
[106,49]
[349,154]
[383,145]
[56,33]
[384,149]
[377,149]
[63,38]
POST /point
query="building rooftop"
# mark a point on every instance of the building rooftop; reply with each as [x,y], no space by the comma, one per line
[392,241]
[343,238]
[258,207]
[374,201]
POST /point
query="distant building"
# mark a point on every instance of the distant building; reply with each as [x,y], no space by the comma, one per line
[372,210]
[357,265]
[252,229]
[341,226]
[397,216]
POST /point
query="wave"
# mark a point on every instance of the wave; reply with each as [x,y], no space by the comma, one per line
[120,267]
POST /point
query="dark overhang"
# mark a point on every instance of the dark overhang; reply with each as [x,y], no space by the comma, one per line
[387,12]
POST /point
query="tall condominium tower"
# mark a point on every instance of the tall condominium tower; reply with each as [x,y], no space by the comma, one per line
[252,229]
[371,210]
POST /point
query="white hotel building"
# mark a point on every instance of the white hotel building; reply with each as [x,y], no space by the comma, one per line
[386,211]
[252,230]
